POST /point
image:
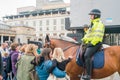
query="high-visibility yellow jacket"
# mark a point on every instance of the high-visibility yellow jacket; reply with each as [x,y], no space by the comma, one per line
[95,34]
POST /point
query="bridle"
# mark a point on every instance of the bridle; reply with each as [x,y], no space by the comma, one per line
[48,43]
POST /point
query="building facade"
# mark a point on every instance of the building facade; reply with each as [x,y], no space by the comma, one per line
[41,3]
[6,34]
[24,34]
[50,19]
[20,34]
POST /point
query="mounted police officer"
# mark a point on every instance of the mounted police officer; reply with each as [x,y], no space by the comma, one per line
[93,39]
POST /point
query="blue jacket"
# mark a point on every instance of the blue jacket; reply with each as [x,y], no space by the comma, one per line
[42,71]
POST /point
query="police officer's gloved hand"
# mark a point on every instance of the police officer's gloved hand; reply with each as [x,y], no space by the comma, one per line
[90,45]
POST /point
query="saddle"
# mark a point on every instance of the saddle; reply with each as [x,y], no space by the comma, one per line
[97,59]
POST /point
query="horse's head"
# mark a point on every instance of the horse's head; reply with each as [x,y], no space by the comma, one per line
[49,43]
[62,42]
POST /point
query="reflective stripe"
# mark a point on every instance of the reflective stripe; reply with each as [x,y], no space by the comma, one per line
[95,34]
[101,31]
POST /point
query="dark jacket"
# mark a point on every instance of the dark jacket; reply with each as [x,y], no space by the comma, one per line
[1,65]
[9,63]
[62,65]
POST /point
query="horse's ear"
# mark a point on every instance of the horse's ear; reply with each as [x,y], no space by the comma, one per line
[47,38]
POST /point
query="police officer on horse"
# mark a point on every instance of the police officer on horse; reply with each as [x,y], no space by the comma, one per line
[93,39]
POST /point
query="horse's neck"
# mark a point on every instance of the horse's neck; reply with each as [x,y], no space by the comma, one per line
[64,45]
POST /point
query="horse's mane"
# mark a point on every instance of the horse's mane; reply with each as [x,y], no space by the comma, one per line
[66,38]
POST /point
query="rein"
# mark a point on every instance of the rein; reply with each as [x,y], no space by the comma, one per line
[64,49]
[68,47]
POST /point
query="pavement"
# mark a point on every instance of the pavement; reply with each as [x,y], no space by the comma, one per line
[115,76]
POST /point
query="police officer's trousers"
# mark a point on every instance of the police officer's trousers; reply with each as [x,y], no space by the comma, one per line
[90,51]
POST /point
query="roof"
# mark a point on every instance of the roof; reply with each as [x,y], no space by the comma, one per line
[27,13]
[112,29]
[108,28]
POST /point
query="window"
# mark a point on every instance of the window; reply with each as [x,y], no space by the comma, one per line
[54,28]
[26,23]
[54,21]
[62,21]
[47,22]
[40,28]
[62,27]
[40,23]
[47,28]
[34,23]
[41,34]
[54,34]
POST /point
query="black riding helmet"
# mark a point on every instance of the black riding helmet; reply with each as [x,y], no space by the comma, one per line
[95,12]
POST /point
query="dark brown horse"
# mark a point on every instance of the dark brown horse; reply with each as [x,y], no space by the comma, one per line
[111,65]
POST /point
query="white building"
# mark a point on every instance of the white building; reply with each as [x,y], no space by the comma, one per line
[25,9]
[50,19]
[6,34]
[20,33]
[41,3]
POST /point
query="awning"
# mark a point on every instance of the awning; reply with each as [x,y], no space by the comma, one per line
[112,29]
[108,28]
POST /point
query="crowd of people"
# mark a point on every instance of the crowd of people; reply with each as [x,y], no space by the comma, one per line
[16,62]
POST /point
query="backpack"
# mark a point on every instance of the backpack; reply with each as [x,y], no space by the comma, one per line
[5,59]
[9,63]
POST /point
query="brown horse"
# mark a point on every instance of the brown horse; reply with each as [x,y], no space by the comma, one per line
[111,65]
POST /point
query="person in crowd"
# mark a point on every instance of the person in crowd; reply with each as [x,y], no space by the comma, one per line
[1,67]
[44,63]
[5,59]
[38,50]
[59,58]
[93,39]
[85,28]
[4,48]
[24,63]
[13,57]
[22,49]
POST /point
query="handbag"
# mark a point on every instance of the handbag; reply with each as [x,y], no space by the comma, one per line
[33,74]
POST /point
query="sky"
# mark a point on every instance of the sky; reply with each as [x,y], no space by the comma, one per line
[9,7]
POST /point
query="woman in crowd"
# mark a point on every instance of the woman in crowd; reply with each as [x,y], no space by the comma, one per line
[22,49]
[45,63]
[59,58]
[24,63]
[14,53]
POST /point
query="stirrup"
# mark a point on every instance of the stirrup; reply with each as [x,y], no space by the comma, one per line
[86,77]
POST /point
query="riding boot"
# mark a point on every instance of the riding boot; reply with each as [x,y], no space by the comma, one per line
[88,67]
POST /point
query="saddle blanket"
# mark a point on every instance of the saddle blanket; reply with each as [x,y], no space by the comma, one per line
[97,61]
